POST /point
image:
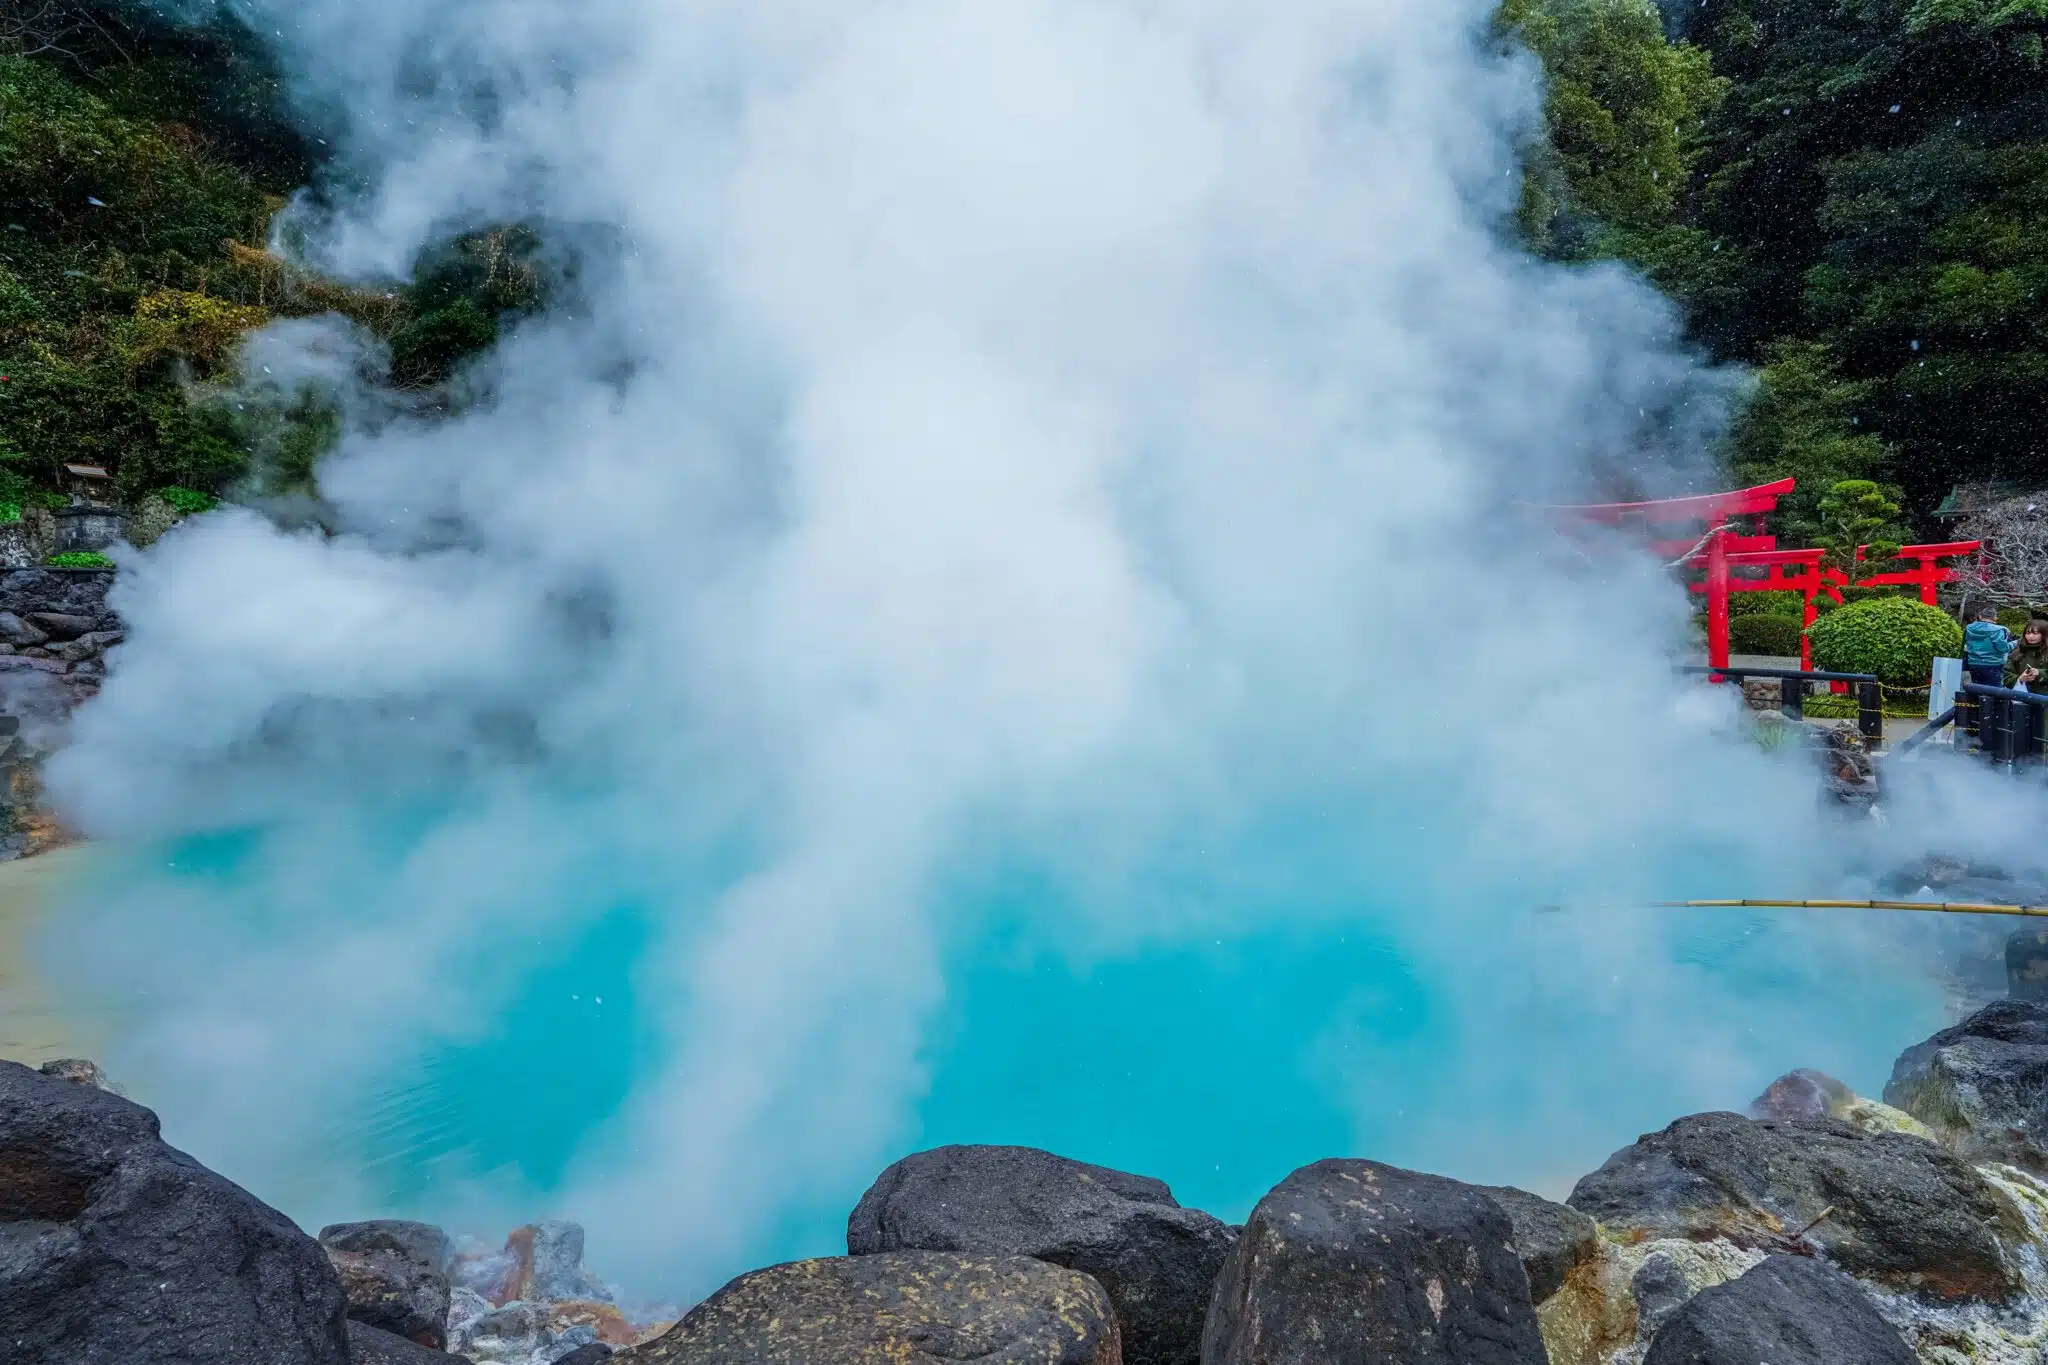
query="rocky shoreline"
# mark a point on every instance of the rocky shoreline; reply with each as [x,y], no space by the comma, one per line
[1819,1228]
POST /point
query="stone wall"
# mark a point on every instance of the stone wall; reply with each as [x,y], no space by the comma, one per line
[55,631]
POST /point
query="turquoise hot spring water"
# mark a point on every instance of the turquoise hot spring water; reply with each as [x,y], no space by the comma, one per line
[1336,999]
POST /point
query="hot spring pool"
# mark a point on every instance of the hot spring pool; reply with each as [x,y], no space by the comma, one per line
[1505,1047]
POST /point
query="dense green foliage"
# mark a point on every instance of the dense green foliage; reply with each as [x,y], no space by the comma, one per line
[1858,528]
[141,165]
[1894,637]
[1861,210]
[1765,634]
[79,559]
[1767,604]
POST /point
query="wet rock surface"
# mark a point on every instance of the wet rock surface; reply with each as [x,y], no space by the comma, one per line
[1155,1259]
[1898,1210]
[896,1308]
[117,1249]
[1982,1086]
[1372,1265]
[1787,1311]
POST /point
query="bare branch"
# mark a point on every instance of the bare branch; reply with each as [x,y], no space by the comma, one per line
[2015,536]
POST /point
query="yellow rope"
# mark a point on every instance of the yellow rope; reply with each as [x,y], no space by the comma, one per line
[1938,907]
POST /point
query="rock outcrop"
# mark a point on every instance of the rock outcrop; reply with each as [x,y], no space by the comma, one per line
[395,1276]
[1787,1311]
[895,1308]
[1553,1240]
[1368,1264]
[371,1346]
[1982,1086]
[1155,1259]
[1887,1207]
[117,1249]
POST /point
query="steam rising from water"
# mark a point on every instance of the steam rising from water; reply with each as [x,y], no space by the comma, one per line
[1000,617]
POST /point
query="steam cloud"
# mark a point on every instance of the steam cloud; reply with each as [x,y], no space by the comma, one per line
[1063,435]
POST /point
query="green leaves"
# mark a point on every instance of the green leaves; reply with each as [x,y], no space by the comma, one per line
[1857,513]
[1806,422]
[1622,116]
[1859,207]
[1893,637]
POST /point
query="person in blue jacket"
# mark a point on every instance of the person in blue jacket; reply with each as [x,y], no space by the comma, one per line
[1986,646]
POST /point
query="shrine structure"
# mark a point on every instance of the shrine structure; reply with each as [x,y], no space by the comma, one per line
[1707,533]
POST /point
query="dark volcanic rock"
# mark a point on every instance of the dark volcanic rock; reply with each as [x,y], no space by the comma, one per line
[78,1070]
[1906,1213]
[1801,1094]
[1367,1264]
[394,1274]
[1156,1259]
[1552,1239]
[369,1346]
[593,1354]
[116,1249]
[896,1308]
[421,1243]
[26,591]
[1787,1311]
[1660,1288]
[16,631]
[60,625]
[1983,1085]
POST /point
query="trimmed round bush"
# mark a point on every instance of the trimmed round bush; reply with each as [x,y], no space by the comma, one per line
[1894,637]
[1773,635]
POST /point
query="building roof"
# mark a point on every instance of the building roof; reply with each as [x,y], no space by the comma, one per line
[86,471]
[1968,498]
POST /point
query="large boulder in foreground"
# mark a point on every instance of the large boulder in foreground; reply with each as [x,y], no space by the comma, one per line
[394,1275]
[1553,1240]
[1787,1311]
[1365,1264]
[116,1249]
[1901,1211]
[1156,1260]
[1982,1086]
[898,1308]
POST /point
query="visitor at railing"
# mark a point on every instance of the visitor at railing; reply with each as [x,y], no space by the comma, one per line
[1986,646]
[2026,669]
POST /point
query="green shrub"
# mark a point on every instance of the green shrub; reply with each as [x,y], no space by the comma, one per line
[2015,619]
[1777,636]
[1790,604]
[1894,637]
[79,559]
[187,500]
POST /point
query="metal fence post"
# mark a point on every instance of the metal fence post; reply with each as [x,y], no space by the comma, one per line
[1792,697]
[1870,712]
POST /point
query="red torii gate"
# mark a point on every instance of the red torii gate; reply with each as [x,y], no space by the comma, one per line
[1720,550]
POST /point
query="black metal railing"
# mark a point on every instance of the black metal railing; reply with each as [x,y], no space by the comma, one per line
[2011,726]
[1792,693]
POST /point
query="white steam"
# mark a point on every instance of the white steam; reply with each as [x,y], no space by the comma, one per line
[1057,431]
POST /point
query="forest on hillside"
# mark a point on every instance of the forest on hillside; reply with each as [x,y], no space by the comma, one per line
[1848,196]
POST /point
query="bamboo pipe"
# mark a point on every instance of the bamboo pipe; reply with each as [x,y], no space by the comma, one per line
[1936,907]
